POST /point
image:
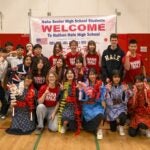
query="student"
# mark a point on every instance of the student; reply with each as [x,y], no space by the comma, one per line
[23,106]
[29,49]
[112,58]
[69,113]
[37,51]
[92,58]
[80,70]
[92,97]
[39,72]
[3,71]
[116,103]
[57,53]
[48,103]
[139,107]
[71,56]
[133,63]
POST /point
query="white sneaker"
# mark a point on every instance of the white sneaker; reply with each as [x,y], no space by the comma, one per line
[3,117]
[63,130]
[99,134]
[148,133]
[121,130]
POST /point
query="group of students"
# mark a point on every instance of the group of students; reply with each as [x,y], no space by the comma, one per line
[76,91]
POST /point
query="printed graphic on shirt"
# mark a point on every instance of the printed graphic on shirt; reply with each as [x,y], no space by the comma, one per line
[112,57]
[135,64]
[39,80]
[50,96]
[91,61]
[72,61]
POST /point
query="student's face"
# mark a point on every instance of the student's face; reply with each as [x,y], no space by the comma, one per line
[20,51]
[57,49]
[28,82]
[40,64]
[92,47]
[9,48]
[116,80]
[28,62]
[51,78]
[132,48]
[73,47]
[92,76]
[78,64]
[59,63]
[37,51]
[114,42]
[29,47]
[139,85]
[70,75]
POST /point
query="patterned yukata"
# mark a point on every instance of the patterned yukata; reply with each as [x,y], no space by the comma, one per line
[116,101]
[21,121]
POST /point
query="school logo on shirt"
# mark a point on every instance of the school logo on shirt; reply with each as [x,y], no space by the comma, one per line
[72,61]
[112,57]
[39,80]
[51,96]
[91,61]
[135,64]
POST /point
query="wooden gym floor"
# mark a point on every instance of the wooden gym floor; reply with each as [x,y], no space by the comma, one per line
[56,141]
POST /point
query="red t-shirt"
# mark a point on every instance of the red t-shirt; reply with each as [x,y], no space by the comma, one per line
[50,98]
[70,59]
[136,64]
[92,61]
[53,59]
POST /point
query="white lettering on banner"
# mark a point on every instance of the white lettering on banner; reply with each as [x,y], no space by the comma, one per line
[51,96]
[64,29]
[135,64]
[112,57]
[91,61]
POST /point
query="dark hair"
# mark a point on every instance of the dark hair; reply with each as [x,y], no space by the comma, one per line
[132,41]
[80,59]
[35,69]
[19,46]
[115,73]
[92,43]
[63,60]
[93,70]
[25,57]
[29,76]
[30,44]
[73,41]
[69,69]
[113,35]
[59,45]
[9,44]
[37,46]
[139,78]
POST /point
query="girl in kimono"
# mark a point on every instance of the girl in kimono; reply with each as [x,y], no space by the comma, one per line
[22,101]
[92,94]
[139,108]
[116,103]
[69,113]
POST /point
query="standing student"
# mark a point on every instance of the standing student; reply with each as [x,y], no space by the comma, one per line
[92,97]
[116,103]
[69,113]
[92,58]
[139,107]
[48,103]
[71,56]
[57,53]
[112,58]
[133,63]
[23,105]
[29,49]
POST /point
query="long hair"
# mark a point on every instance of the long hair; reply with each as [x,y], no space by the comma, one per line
[91,43]
[59,45]
[47,76]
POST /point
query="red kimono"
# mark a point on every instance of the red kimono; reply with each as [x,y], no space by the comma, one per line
[139,107]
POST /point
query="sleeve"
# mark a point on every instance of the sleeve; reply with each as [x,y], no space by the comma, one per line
[83,96]
[108,99]
[102,93]
[59,95]
[41,91]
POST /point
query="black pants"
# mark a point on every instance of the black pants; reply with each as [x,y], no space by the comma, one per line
[134,131]
[92,125]
[122,120]
[5,104]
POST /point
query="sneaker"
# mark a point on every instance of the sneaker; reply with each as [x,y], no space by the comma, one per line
[38,130]
[99,134]
[3,117]
[121,130]
[63,130]
[148,133]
